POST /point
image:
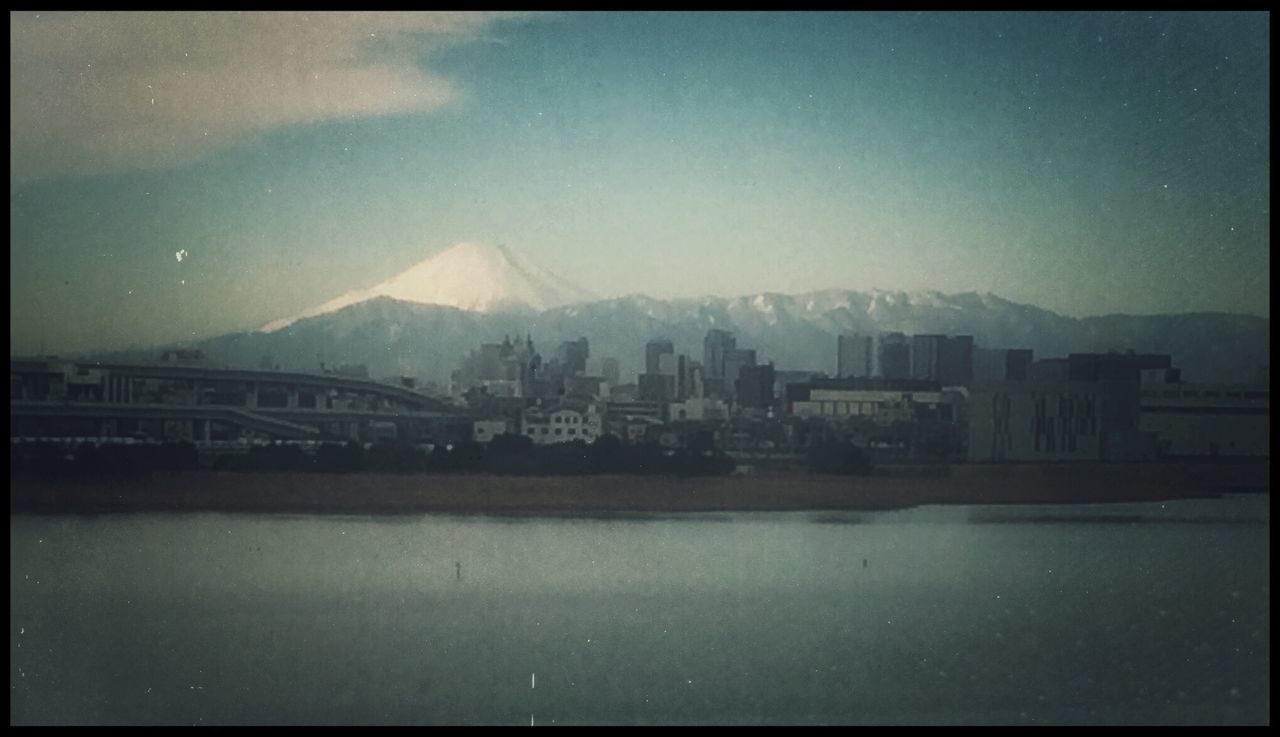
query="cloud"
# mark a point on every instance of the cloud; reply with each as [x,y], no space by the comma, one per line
[95,93]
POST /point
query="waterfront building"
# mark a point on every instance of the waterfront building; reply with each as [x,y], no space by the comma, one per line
[880,401]
[1206,420]
[1057,420]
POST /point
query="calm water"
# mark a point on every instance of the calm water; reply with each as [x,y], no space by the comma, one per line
[1084,614]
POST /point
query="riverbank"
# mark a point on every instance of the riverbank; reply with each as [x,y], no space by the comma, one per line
[585,495]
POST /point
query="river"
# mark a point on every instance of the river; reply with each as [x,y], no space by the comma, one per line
[1088,614]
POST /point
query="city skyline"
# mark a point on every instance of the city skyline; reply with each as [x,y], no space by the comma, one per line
[180,176]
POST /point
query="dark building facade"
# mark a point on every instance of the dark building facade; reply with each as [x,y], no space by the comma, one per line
[895,356]
[926,356]
[573,356]
[656,388]
[653,352]
[955,361]
[853,356]
[714,349]
[755,386]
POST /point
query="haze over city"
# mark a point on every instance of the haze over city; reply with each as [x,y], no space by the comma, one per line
[640,368]
[179,176]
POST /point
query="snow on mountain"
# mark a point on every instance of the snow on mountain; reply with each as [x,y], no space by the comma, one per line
[400,331]
[476,277]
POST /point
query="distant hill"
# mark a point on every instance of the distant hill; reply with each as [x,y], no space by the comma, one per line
[394,337]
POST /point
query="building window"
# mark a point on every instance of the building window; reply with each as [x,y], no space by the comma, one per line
[573,431]
[559,431]
[558,418]
[544,431]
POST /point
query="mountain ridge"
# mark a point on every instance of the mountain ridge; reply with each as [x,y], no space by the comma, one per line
[797,332]
[470,275]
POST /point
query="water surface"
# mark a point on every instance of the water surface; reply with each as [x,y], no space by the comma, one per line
[1142,613]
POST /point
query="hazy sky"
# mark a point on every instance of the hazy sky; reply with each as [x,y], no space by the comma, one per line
[1089,163]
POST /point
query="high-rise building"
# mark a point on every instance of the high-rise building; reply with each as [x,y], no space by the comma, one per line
[853,356]
[992,364]
[1017,361]
[955,363]
[604,367]
[714,347]
[735,359]
[755,386]
[653,352]
[656,387]
[926,356]
[688,378]
[573,356]
[895,356]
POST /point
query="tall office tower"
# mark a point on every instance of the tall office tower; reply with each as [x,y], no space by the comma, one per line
[714,347]
[754,387]
[895,356]
[955,364]
[926,356]
[735,359]
[573,356]
[654,350]
[853,356]
[688,378]
[605,367]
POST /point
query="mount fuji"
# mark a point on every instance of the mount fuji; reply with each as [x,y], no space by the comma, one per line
[424,320]
[476,277]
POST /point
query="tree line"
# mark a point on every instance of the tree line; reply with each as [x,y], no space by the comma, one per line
[507,454]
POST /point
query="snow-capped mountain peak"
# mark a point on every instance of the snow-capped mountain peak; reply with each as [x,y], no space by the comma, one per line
[477,277]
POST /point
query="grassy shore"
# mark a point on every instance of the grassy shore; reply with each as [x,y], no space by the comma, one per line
[372,493]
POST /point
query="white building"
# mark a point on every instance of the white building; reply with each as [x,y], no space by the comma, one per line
[482,431]
[702,408]
[560,426]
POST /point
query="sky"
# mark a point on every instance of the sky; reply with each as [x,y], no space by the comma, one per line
[176,176]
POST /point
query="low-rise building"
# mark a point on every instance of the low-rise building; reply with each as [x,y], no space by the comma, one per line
[1191,420]
[482,431]
[561,425]
[1032,421]
[882,401]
